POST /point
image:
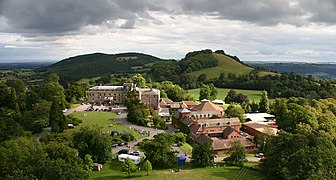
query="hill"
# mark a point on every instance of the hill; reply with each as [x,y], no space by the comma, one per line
[98,64]
[225,65]
[321,71]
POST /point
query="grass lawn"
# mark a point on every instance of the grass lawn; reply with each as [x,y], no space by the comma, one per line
[186,148]
[225,65]
[252,94]
[112,170]
[103,119]
[87,80]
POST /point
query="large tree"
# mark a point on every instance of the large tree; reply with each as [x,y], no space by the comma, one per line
[204,92]
[296,156]
[139,80]
[158,150]
[236,154]
[57,119]
[91,140]
[53,91]
[22,158]
[202,155]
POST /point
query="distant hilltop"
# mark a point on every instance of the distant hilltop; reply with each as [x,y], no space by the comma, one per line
[194,63]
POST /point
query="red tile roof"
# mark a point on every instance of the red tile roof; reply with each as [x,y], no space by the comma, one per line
[207,106]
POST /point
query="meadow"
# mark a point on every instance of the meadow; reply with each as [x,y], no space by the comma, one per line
[102,119]
[112,170]
[253,95]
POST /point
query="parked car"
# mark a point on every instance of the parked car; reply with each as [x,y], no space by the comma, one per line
[119,112]
[114,145]
[123,144]
[259,155]
[123,151]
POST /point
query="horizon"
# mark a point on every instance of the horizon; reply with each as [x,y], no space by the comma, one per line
[295,31]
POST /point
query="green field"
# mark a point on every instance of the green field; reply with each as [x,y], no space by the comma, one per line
[226,65]
[252,94]
[112,170]
[87,80]
[103,119]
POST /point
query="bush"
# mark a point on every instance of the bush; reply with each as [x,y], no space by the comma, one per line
[116,140]
[127,137]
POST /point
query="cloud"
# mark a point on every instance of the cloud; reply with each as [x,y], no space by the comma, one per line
[58,17]
[10,47]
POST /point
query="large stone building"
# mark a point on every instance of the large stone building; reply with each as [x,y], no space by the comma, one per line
[117,95]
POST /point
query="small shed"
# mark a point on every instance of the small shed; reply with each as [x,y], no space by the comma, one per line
[218,101]
[181,160]
[97,166]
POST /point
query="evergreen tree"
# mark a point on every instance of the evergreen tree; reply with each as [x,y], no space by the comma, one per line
[57,119]
[213,92]
[264,103]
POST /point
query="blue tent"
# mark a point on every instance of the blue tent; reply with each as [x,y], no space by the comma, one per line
[181,160]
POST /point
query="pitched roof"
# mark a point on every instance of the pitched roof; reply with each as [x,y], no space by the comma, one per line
[218,101]
[189,103]
[202,139]
[262,128]
[167,100]
[187,121]
[175,105]
[194,128]
[184,110]
[222,144]
[227,131]
[207,106]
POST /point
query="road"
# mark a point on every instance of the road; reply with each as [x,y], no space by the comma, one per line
[121,118]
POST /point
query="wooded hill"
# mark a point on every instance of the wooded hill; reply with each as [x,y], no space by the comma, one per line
[194,63]
[98,64]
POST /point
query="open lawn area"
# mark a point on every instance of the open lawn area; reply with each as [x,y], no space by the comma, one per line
[103,119]
[252,94]
[112,170]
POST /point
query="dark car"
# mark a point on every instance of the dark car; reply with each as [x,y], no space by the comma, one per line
[123,151]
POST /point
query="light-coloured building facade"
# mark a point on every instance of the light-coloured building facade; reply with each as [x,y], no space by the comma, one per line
[110,95]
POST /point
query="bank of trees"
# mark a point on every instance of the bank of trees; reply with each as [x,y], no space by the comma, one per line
[22,158]
[305,147]
[137,111]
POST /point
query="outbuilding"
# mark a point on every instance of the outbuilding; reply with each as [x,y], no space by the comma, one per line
[135,159]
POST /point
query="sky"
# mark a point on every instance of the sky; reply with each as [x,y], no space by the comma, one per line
[253,30]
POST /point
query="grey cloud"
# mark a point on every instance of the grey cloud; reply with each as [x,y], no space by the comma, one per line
[59,17]
[63,16]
